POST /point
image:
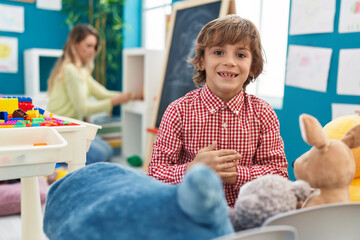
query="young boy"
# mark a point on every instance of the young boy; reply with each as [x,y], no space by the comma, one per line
[220,125]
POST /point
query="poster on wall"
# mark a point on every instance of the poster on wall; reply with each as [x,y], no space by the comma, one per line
[308,16]
[308,67]
[49,4]
[8,54]
[348,81]
[11,18]
[349,20]
[342,109]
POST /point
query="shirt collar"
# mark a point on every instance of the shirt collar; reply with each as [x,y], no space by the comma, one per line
[214,103]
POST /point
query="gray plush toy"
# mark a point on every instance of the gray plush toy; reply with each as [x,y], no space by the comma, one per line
[264,197]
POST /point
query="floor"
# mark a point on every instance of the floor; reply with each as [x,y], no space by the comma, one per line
[10,226]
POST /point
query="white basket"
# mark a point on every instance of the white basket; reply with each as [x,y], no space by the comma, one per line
[20,158]
[91,129]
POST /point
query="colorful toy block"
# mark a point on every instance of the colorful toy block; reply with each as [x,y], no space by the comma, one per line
[20,112]
[9,105]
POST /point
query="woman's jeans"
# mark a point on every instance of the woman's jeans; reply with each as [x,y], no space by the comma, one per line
[100,151]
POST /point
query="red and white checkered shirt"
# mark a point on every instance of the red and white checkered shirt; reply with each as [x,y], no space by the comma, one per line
[246,124]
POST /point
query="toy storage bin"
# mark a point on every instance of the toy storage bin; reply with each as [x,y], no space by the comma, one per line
[20,158]
[91,129]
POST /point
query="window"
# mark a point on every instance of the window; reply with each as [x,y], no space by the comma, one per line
[272,21]
[270,17]
[155,13]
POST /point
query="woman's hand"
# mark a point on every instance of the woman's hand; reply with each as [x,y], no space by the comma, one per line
[137,96]
[120,99]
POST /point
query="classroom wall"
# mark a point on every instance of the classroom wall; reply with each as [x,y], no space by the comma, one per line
[133,21]
[297,101]
[46,29]
[43,29]
[52,34]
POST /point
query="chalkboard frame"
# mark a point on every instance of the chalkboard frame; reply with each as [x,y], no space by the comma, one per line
[226,7]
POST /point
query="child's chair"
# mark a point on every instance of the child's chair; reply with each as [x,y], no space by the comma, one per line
[268,233]
[330,221]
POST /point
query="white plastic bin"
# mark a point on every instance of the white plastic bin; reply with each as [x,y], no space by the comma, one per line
[20,158]
[91,129]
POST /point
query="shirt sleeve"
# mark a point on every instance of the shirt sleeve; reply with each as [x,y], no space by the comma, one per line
[99,91]
[270,156]
[77,90]
[166,149]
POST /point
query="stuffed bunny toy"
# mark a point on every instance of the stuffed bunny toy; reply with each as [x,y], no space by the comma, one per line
[329,166]
[265,197]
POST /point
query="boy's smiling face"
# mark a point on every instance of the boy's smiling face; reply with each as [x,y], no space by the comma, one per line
[227,67]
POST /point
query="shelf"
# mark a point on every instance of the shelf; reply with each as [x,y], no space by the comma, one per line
[138,107]
[142,72]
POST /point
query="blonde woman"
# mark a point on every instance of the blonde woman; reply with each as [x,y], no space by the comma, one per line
[71,85]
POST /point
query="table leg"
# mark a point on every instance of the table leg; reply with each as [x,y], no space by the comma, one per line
[79,155]
[31,215]
[75,151]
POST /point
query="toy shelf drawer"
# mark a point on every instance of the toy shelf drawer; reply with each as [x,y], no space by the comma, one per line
[19,157]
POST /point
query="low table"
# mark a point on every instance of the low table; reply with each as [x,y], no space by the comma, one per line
[20,158]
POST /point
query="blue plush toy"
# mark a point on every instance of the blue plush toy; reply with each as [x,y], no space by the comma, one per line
[109,201]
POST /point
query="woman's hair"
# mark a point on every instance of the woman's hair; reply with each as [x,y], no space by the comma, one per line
[70,54]
[228,30]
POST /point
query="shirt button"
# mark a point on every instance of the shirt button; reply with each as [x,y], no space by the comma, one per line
[224,125]
[236,112]
[212,110]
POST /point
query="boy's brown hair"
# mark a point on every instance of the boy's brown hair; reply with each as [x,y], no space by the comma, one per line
[230,29]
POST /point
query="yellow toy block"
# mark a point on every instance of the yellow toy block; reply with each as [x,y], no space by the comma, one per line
[33,114]
[9,105]
[6,126]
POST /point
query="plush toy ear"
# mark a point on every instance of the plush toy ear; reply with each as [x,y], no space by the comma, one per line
[312,131]
[201,196]
[352,137]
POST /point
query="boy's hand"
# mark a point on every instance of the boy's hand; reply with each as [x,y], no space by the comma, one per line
[223,162]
